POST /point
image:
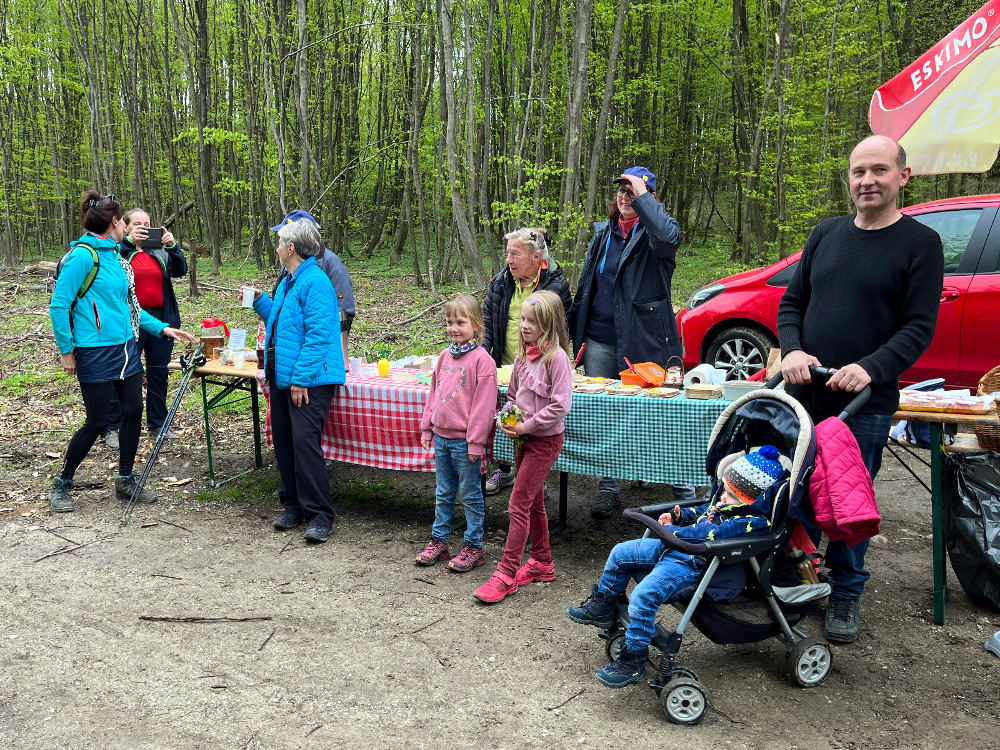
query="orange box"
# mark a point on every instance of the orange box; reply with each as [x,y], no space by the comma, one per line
[647,375]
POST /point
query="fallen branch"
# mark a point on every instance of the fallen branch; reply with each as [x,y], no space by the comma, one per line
[163,575]
[252,737]
[576,695]
[266,640]
[176,525]
[67,549]
[424,580]
[287,545]
[428,309]
[315,729]
[412,632]
[220,288]
[202,620]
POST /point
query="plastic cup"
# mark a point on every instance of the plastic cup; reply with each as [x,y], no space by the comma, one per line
[238,357]
[356,367]
[248,293]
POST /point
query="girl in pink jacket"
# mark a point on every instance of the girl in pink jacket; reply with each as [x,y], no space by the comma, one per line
[541,386]
[458,422]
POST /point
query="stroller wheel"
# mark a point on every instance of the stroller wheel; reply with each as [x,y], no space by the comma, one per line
[614,644]
[684,701]
[810,661]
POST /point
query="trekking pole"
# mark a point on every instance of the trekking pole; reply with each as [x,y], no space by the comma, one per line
[189,362]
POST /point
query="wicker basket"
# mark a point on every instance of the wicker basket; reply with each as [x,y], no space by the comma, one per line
[989,435]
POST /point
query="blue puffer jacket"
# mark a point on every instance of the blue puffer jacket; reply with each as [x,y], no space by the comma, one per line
[101,316]
[305,326]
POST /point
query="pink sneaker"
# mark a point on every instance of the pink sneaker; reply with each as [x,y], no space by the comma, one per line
[433,552]
[533,571]
[498,588]
[470,557]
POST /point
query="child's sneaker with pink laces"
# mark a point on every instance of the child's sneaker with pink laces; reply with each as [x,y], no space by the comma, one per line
[433,552]
[470,557]
[533,571]
[498,588]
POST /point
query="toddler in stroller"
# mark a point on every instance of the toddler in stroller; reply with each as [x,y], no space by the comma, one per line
[729,560]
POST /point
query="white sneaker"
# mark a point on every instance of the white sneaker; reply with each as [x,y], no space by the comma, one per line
[111,440]
[498,480]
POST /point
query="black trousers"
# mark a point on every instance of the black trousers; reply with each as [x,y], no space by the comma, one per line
[298,432]
[96,399]
[158,352]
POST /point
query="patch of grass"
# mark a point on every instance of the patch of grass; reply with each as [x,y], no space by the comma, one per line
[28,382]
[385,492]
[698,265]
[207,496]
[255,488]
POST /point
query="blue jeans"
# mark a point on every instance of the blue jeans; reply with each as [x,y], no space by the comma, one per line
[456,474]
[660,578]
[601,361]
[847,564]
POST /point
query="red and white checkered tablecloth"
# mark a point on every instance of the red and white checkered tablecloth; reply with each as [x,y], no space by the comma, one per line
[374,422]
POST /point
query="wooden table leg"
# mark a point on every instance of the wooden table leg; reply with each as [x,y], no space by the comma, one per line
[937,522]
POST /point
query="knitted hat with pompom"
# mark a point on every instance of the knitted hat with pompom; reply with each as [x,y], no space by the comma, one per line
[750,475]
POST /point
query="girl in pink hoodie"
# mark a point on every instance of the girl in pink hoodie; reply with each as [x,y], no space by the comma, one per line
[458,422]
[541,385]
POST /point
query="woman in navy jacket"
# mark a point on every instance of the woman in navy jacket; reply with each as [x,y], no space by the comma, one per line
[622,306]
[303,364]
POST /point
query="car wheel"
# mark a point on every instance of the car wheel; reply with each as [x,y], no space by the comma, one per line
[740,352]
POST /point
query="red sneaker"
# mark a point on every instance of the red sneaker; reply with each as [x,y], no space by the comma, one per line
[433,552]
[533,571]
[498,588]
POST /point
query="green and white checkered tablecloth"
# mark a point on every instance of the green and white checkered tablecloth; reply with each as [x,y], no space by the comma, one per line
[663,440]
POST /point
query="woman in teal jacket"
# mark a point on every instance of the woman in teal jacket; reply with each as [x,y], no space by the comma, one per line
[303,364]
[96,320]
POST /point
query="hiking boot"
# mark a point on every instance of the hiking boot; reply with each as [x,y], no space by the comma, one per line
[171,435]
[287,520]
[604,505]
[628,669]
[124,487]
[533,571]
[843,620]
[498,480]
[317,533]
[111,440]
[597,609]
[470,557]
[60,501]
[433,552]
[498,588]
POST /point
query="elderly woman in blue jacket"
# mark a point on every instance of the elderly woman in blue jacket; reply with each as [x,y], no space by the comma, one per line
[303,363]
[96,319]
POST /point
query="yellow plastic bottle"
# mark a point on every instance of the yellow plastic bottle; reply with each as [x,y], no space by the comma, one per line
[383,367]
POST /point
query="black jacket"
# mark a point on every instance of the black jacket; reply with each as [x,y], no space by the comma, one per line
[174,265]
[645,327]
[496,305]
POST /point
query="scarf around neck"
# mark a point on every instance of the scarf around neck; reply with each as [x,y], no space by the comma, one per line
[626,225]
[457,351]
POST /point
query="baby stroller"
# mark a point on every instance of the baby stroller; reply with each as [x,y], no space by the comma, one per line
[749,590]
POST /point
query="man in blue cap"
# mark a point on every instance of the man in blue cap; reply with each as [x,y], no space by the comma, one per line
[334,267]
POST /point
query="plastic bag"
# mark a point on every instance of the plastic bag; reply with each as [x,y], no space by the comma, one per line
[971,489]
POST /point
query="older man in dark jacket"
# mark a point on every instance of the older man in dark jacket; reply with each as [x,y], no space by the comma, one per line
[529,269]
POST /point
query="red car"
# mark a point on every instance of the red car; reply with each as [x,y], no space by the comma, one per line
[732,323]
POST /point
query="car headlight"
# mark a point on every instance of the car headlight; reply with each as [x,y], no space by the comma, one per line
[704,295]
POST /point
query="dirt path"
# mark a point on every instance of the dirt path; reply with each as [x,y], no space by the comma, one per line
[349,645]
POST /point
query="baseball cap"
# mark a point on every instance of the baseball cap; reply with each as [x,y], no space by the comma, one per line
[295,215]
[641,172]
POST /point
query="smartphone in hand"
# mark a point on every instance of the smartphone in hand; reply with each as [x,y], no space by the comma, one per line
[154,237]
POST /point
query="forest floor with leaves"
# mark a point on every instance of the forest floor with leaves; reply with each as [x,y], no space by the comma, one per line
[199,626]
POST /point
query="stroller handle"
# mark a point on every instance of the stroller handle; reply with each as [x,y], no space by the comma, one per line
[824,374]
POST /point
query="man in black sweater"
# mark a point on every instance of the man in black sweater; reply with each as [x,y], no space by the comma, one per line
[864,299]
